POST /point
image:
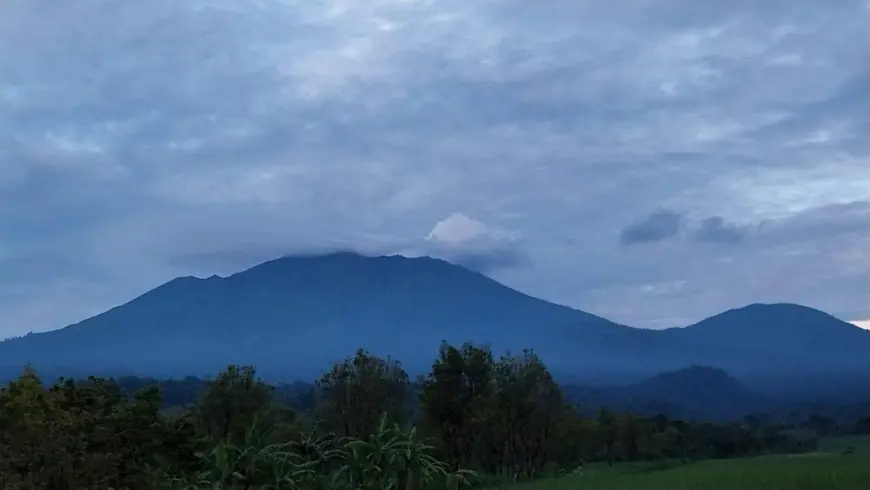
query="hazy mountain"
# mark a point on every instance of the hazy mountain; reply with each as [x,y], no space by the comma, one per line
[796,330]
[812,348]
[293,316]
[695,392]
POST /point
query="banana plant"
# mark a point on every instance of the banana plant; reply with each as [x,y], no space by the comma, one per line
[415,463]
[258,465]
[222,467]
[319,454]
[370,462]
[394,458]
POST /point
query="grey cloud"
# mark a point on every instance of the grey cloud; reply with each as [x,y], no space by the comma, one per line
[137,148]
[493,260]
[223,262]
[659,225]
[716,230]
[830,221]
[819,257]
[481,249]
[485,260]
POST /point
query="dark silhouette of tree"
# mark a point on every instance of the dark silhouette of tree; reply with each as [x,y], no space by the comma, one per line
[230,404]
[455,399]
[504,418]
[354,394]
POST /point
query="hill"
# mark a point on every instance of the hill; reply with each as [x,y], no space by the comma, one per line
[793,327]
[294,315]
[806,345]
[692,393]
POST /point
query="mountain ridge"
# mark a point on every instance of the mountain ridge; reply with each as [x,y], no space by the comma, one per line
[294,314]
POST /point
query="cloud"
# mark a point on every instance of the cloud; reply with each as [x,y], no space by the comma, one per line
[458,228]
[145,140]
[457,239]
[715,230]
[819,257]
[468,242]
[659,225]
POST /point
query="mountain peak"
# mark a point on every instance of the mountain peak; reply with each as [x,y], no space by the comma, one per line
[349,259]
[782,317]
[779,334]
[781,308]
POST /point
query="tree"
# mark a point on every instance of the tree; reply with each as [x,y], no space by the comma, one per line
[231,403]
[455,399]
[354,394]
[607,433]
[78,435]
[529,408]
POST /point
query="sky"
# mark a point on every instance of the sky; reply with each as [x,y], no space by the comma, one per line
[653,162]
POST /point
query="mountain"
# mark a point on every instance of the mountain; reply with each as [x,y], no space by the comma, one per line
[294,315]
[694,392]
[777,340]
[797,330]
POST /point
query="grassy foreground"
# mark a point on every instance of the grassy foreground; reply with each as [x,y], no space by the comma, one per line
[840,445]
[805,472]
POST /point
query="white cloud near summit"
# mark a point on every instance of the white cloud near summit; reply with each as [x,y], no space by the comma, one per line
[145,140]
[466,241]
[457,229]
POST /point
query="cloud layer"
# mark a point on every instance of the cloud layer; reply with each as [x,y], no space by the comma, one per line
[144,140]
[660,225]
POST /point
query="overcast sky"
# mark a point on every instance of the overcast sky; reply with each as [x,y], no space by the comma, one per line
[654,162]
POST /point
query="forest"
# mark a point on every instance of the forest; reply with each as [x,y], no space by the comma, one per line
[473,421]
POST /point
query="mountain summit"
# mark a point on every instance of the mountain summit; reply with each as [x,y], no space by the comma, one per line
[294,315]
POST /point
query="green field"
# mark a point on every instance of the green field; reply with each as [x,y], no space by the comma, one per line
[804,472]
[840,445]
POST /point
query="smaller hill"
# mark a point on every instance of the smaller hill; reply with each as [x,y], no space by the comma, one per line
[696,392]
[777,320]
[781,338]
[700,391]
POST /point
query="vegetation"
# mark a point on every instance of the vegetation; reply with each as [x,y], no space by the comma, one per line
[472,421]
[803,472]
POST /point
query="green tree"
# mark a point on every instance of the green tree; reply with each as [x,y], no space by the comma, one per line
[78,435]
[231,403]
[354,394]
[607,433]
[530,409]
[456,399]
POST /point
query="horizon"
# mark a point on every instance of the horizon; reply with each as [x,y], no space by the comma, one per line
[652,164]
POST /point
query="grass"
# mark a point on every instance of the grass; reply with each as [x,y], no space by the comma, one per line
[839,445]
[800,472]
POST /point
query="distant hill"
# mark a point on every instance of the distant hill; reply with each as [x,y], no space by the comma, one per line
[797,330]
[814,348]
[695,392]
[293,316]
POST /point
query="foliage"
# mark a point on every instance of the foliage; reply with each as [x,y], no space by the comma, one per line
[356,392]
[789,472]
[478,420]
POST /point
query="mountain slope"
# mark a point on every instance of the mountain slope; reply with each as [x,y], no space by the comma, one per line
[293,316]
[297,314]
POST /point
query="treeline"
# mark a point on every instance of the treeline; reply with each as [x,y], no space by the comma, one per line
[678,399]
[471,419]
